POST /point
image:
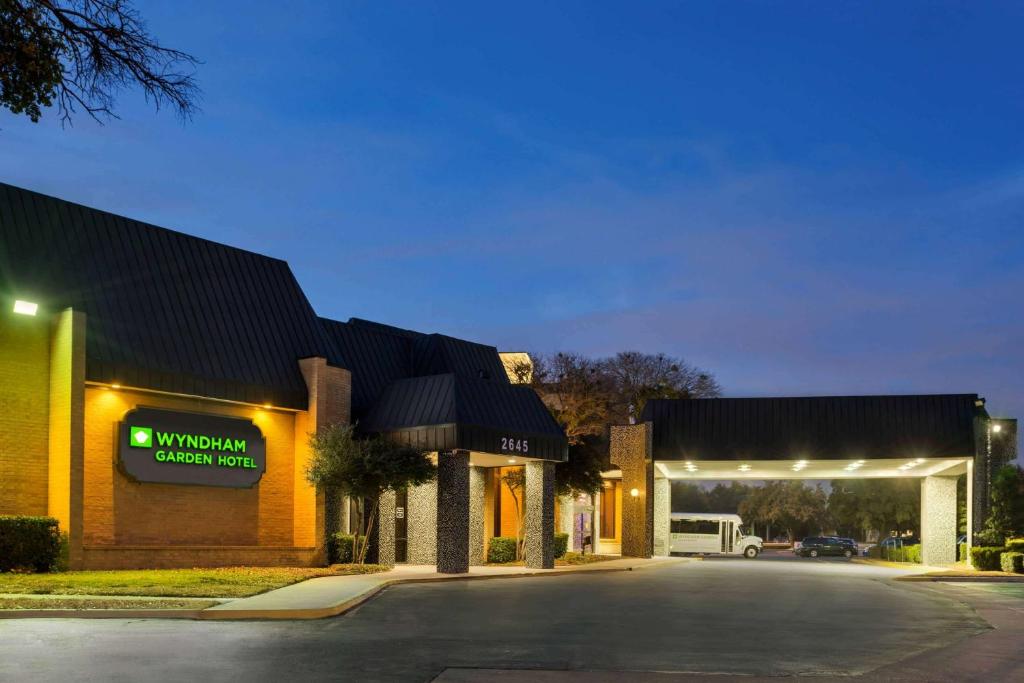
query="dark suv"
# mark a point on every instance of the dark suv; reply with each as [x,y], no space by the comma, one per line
[813,546]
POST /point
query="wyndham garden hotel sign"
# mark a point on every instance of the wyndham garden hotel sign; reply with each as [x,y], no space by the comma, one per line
[173,447]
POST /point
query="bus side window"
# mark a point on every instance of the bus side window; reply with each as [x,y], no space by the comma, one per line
[677,526]
[705,526]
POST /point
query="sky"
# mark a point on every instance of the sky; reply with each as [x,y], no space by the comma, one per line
[802,198]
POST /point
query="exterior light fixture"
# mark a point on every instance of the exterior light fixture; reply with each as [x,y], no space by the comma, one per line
[115,386]
[267,406]
[634,492]
[25,307]
[854,465]
[996,428]
[799,465]
[744,467]
[511,460]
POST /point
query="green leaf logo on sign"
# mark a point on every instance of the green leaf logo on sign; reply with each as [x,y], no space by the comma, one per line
[141,437]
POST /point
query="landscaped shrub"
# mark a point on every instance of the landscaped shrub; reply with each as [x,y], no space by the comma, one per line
[907,553]
[986,558]
[961,552]
[1015,545]
[561,544]
[502,549]
[29,543]
[1012,562]
[339,548]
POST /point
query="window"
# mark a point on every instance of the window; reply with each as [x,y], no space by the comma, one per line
[608,518]
[694,526]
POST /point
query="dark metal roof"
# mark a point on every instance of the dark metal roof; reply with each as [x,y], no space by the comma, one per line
[380,354]
[819,427]
[443,412]
[164,310]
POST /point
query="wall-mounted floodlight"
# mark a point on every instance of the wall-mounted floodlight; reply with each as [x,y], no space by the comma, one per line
[25,307]
[997,428]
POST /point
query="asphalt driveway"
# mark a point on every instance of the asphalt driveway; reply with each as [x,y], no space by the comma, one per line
[723,616]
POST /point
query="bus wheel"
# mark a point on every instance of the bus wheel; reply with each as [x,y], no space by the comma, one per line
[847,553]
[750,552]
[814,553]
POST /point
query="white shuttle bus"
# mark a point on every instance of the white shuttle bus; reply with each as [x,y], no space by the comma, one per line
[711,533]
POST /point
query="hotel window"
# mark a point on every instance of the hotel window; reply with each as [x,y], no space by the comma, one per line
[609,494]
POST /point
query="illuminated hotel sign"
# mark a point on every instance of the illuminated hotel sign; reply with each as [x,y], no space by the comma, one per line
[172,447]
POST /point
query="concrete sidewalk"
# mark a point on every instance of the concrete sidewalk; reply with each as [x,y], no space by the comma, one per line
[332,595]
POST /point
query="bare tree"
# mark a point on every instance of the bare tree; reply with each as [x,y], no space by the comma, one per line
[637,377]
[78,54]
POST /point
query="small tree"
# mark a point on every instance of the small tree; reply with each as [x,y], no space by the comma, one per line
[1006,516]
[515,481]
[364,469]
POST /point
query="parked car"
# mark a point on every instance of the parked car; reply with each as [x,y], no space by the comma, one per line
[815,546]
[899,541]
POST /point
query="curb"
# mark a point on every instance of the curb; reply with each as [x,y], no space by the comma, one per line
[1009,578]
[296,614]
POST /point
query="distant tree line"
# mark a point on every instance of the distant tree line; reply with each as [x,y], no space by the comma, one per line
[854,507]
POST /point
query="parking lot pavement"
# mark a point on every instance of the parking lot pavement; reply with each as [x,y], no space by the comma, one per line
[719,616]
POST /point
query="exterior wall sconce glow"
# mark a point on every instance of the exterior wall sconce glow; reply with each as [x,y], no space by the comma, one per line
[997,428]
[634,492]
[25,307]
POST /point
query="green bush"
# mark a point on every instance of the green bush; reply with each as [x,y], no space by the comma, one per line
[1012,562]
[502,549]
[986,558]
[1015,545]
[29,543]
[961,552]
[561,544]
[339,548]
[907,553]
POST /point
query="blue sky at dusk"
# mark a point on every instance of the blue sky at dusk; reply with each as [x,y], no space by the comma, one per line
[800,198]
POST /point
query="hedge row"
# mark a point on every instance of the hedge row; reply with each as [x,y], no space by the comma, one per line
[502,549]
[1012,562]
[907,553]
[986,558]
[29,543]
[1015,545]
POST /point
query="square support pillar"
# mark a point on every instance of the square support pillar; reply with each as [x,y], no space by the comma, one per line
[539,520]
[632,452]
[662,515]
[453,512]
[938,520]
[477,506]
[385,527]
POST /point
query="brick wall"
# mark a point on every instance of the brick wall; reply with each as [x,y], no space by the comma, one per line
[24,409]
[153,557]
[118,511]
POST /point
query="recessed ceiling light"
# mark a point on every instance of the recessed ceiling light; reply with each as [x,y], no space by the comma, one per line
[25,307]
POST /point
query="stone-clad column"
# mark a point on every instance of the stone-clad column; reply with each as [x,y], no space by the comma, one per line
[477,495]
[938,520]
[385,526]
[539,518]
[631,452]
[453,512]
[422,524]
[662,515]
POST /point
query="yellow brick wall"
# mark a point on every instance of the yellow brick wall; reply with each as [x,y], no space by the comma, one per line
[24,409]
[118,511]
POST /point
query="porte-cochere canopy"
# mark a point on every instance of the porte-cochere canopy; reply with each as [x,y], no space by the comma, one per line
[817,427]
